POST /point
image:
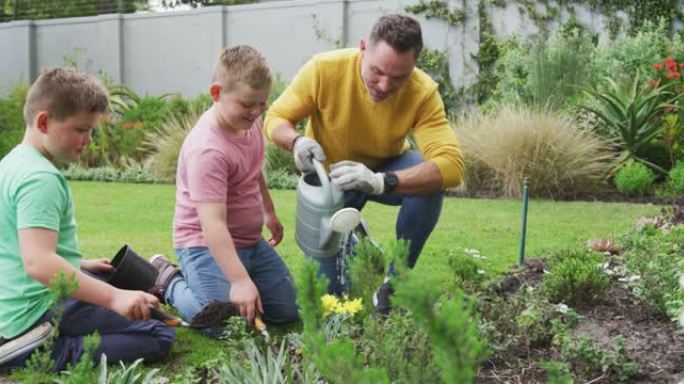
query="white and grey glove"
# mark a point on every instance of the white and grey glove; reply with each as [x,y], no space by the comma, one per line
[305,150]
[352,175]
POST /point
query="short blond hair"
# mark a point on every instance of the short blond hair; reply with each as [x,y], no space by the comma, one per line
[64,92]
[242,63]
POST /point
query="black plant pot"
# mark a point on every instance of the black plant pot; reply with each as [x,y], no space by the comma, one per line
[132,271]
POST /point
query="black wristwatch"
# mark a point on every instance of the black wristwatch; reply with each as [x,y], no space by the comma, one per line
[391,181]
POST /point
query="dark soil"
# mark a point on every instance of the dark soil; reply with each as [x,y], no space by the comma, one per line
[654,344]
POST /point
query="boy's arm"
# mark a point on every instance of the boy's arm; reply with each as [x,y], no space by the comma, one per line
[270,218]
[42,263]
[243,292]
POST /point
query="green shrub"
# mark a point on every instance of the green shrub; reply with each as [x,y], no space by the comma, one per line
[559,157]
[12,124]
[657,262]
[575,278]
[279,179]
[163,144]
[136,122]
[131,174]
[366,270]
[543,71]
[676,178]
[451,325]
[277,159]
[634,179]
[400,345]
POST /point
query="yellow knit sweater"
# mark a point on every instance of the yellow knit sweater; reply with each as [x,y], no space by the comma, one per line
[351,126]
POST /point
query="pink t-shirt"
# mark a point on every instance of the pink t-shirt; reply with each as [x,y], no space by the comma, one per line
[217,167]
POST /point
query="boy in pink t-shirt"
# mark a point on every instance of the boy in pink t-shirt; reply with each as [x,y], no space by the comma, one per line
[222,204]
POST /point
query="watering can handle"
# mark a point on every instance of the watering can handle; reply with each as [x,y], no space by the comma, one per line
[325,181]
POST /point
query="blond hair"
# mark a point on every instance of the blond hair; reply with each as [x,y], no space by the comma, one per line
[64,92]
[242,63]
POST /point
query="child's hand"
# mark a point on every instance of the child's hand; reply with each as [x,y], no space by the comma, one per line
[133,305]
[245,296]
[275,227]
[97,265]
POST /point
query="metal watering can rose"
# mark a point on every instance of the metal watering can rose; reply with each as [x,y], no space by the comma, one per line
[321,216]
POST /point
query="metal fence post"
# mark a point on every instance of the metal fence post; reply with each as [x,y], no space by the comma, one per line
[523,229]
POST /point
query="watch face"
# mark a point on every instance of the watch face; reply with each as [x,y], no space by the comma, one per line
[391,181]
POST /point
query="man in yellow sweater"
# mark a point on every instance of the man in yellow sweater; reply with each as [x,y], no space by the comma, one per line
[362,104]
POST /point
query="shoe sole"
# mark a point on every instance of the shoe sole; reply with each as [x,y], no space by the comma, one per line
[26,342]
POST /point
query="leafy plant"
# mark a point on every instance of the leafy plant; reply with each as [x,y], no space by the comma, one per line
[557,372]
[503,148]
[634,179]
[656,259]
[451,324]
[589,359]
[366,270]
[676,178]
[336,360]
[631,116]
[575,278]
[12,124]
[401,346]
[61,288]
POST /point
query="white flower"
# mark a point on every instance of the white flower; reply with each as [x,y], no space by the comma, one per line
[562,308]
[481,271]
[473,252]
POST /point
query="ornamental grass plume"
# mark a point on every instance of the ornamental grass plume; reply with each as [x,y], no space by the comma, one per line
[560,158]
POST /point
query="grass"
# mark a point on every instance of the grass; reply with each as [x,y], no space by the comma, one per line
[110,215]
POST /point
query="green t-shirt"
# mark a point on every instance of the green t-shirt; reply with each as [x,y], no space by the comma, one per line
[33,194]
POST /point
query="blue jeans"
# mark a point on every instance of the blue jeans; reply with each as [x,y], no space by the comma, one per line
[202,282]
[417,217]
[120,339]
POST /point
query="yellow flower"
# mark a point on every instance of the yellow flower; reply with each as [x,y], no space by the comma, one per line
[352,306]
[329,303]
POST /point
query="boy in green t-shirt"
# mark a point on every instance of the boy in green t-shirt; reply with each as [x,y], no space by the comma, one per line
[38,238]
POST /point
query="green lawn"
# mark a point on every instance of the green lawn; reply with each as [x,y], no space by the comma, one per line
[110,215]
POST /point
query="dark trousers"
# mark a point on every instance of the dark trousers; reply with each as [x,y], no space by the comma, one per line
[120,338]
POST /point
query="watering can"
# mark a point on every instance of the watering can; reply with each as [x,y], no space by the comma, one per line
[322,219]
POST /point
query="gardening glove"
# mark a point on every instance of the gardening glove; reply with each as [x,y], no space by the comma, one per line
[305,150]
[352,175]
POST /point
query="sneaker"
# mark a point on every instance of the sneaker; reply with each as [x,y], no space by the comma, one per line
[381,299]
[167,272]
[29,341]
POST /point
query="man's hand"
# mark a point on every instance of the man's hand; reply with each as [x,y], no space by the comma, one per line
[133,305]
[352,175]
[305,150]
[97,265]
[245,296]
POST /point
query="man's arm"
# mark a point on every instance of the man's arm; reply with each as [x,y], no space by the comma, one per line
[243,292]
[297,101]
[37,247]
[436,140]
[424,178]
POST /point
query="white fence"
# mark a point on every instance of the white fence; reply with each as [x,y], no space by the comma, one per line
[156,53]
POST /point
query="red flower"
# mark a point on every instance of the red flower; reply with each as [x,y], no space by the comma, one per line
[681,65]
[676,75]
[658,66]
